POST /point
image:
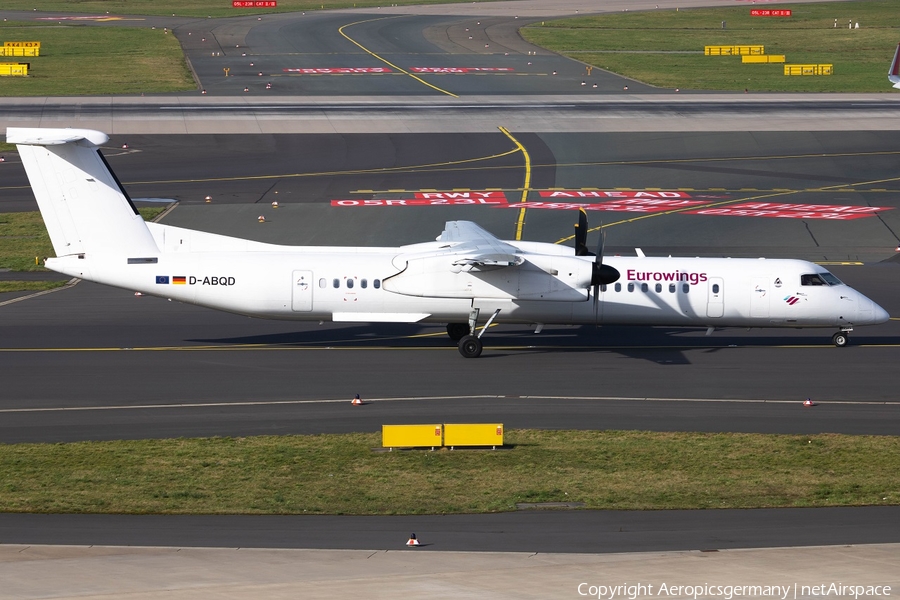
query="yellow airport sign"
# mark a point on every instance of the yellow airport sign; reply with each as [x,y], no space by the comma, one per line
[19,51]
[22,44]
[751,49]
[13,70]
[412,436]
[473,434]
[808,69]
[765,58]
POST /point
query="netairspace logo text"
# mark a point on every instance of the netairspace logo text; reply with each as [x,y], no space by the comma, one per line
[627,591]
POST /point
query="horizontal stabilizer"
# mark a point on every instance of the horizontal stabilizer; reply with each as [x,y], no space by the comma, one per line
[36,136]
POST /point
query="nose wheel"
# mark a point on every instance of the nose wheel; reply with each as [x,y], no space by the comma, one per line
[840,339]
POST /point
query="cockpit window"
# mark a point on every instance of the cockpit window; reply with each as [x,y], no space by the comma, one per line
[824,278]
[830,279]
[812,279]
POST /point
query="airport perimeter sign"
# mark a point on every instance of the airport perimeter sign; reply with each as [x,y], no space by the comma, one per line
[765,12]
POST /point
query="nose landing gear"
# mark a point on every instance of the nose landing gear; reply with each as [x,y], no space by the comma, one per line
[841,338]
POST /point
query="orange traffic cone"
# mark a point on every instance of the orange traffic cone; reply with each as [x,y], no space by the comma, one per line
[412,540]
[808,402]
[357,401]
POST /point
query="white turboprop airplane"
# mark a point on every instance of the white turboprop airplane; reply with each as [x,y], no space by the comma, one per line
[894,73]
[465,275]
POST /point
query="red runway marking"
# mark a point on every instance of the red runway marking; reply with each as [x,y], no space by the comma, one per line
[775,210]
[339,70]
[460,69]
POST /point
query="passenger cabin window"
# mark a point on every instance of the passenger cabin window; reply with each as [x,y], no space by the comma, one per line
[658,288]
[671,288]
[685,287]
[350,284]
[644,287]
[715,288]
[336,283]
[618,287]
[812,279]
[363,283]
[322,282]
[376,284]
[603,287]
[630,287]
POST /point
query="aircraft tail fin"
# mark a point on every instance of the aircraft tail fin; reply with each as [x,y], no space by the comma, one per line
[894,73]
[84,206]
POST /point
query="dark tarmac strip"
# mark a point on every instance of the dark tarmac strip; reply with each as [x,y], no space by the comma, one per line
[523,531]
[238,419]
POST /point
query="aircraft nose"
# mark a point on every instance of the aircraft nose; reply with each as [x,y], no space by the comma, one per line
[870,313]
[879,315]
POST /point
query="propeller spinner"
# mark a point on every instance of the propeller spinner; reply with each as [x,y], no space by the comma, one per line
[601,274]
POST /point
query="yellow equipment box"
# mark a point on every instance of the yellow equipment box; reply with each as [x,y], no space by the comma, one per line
[734,50]
[412,436]
[473,434]
[808,69]
[765,58]
[13,70]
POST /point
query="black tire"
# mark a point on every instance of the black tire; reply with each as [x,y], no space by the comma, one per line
[457,331]
[470,346]
[840,339]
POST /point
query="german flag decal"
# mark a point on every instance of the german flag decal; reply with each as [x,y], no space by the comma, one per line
[179,280]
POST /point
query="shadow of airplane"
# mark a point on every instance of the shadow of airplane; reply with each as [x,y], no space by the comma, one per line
[660,345]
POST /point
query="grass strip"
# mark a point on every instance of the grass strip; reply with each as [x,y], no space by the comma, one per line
[80,60]
[200,8]
[339,474]
[23,237]
[649,46]
[29,286]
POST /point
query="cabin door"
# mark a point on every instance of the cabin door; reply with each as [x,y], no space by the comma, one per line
[301,296]
[759,297]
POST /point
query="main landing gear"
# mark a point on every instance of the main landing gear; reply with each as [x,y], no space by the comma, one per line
[841,338]
[470,345]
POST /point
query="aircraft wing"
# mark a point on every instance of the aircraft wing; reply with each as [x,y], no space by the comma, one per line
[478,248]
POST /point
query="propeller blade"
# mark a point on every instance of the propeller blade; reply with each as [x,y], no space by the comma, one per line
[581,229]
[602,274]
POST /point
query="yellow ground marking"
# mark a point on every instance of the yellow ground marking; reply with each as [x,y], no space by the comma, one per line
[386,61]
[520,222]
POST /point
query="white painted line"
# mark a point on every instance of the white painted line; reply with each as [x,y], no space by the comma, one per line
[426,398]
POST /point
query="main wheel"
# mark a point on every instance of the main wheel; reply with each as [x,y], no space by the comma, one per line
[457,331]
[840,339]
[470,346]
